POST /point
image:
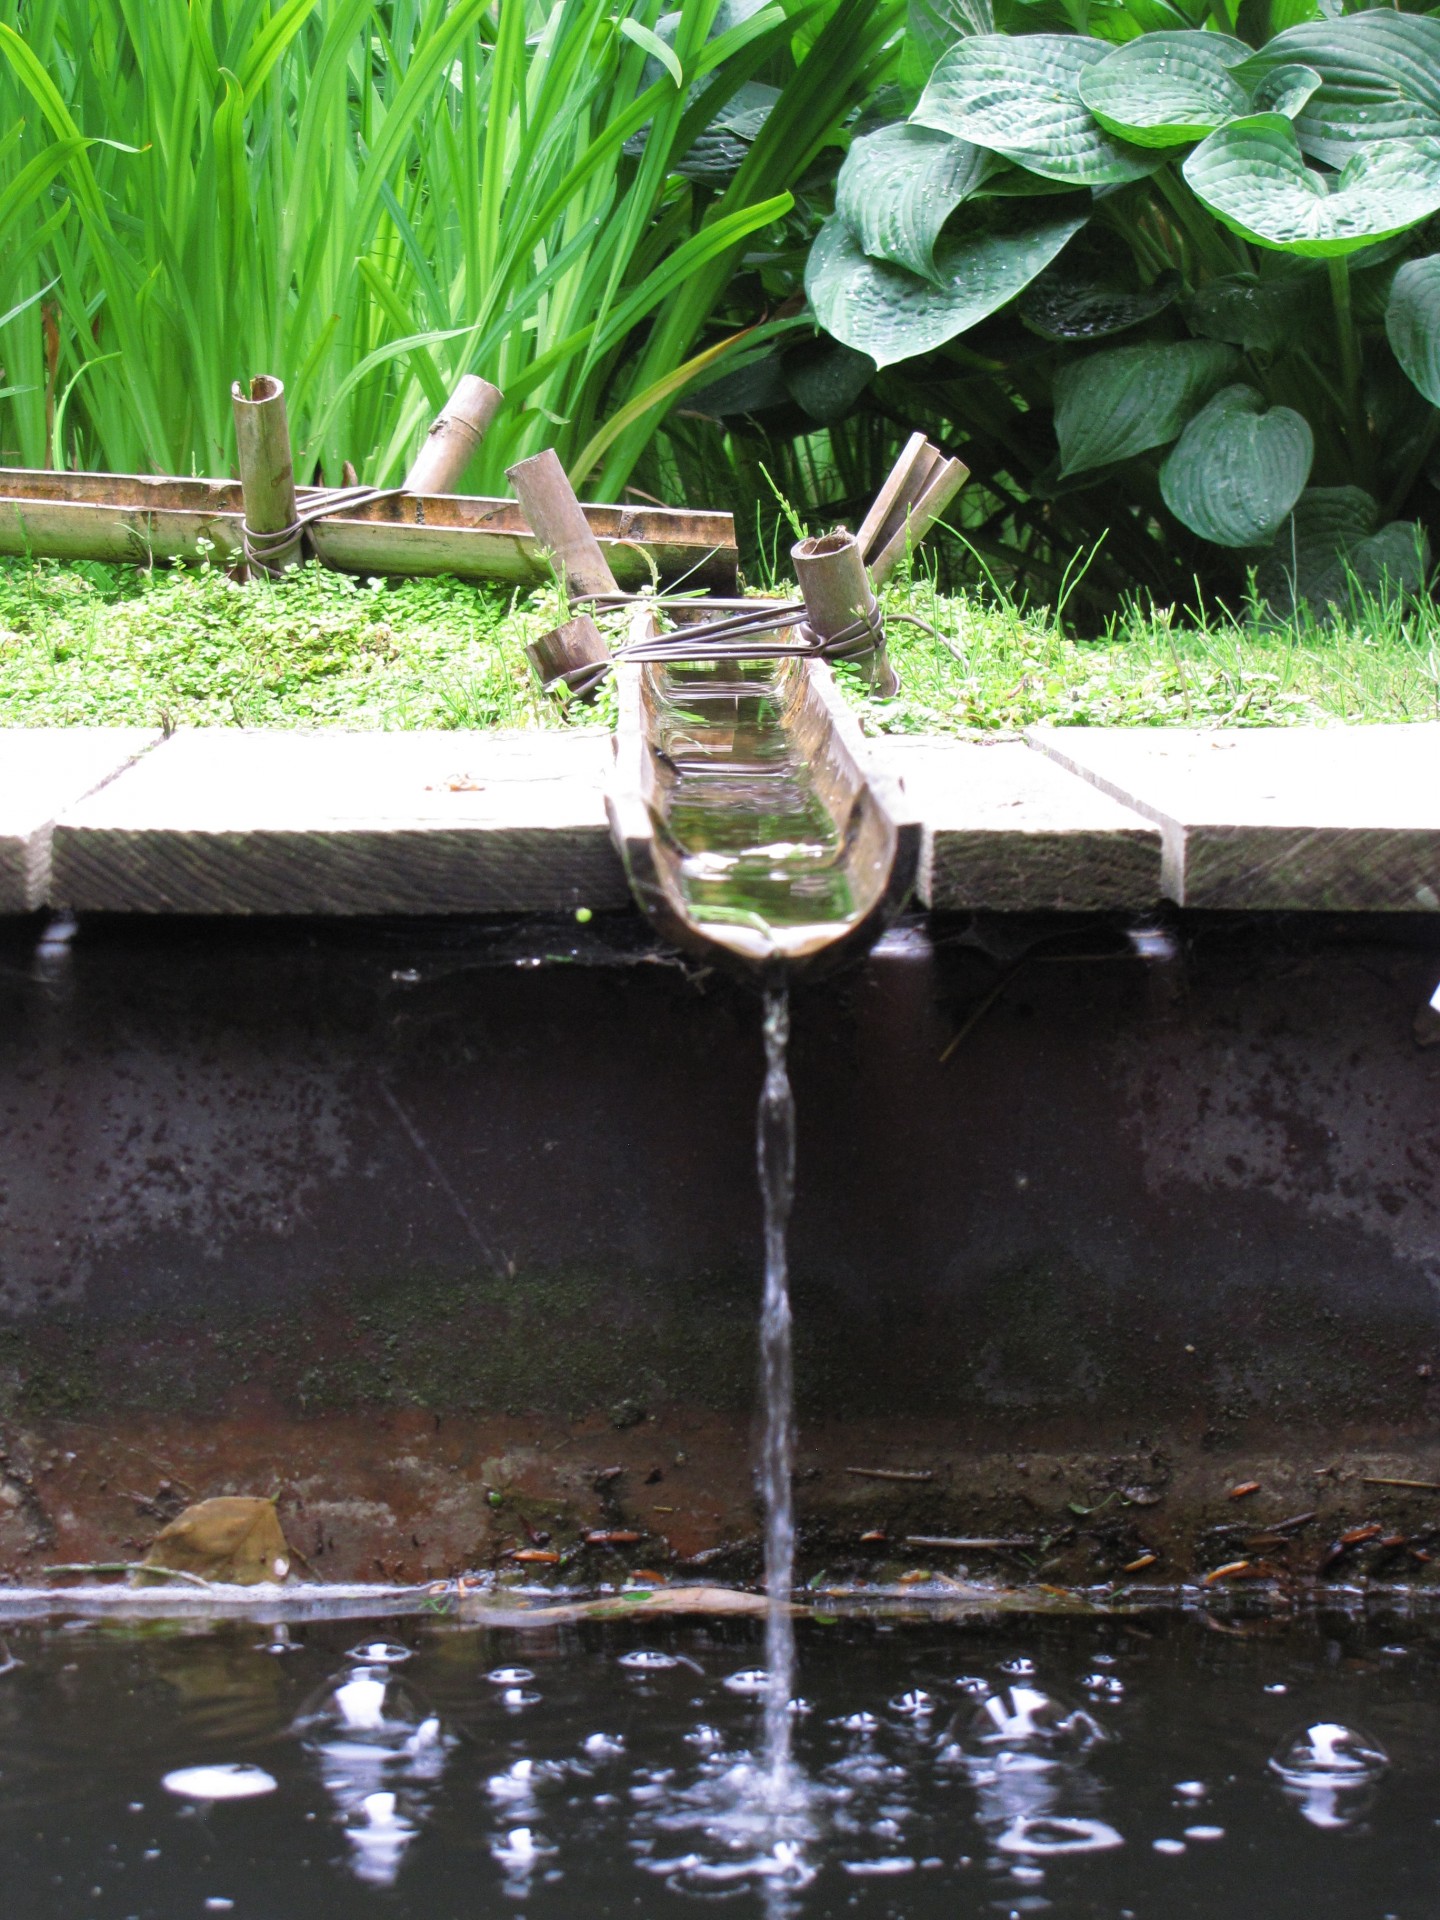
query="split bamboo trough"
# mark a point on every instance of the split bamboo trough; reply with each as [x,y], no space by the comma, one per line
[133,519]
[755,829]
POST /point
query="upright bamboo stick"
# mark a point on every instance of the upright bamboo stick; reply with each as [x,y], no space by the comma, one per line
[267,475]
[940,486]
[916,492]
[454,436]
[558,522]
[840,604]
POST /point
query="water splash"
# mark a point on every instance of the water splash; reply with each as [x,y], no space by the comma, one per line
[775,1150]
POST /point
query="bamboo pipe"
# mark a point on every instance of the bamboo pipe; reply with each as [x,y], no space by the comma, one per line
[574,656]
[267,475]
[838,599]
[454,435]
[558,522]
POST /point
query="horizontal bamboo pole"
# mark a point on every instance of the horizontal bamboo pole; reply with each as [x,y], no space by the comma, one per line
[156,519]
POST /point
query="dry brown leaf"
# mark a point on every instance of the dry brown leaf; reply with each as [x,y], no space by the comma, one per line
[666,1600]
[235,1540]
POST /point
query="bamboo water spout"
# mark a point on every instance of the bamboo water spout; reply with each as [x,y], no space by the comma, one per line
[754,830]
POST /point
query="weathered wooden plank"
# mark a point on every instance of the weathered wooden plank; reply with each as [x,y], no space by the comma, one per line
[140,520]
[216,821]
[44,770]
[1341,819]
[1009,831]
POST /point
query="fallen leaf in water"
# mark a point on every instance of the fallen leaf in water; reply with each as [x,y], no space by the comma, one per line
[533,1557]
[1244,1490]
[1139,1566]
[1229,1571]
[235,1540]
[1357,1536]
[666,1600]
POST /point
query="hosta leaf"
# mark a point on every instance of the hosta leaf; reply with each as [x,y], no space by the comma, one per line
[829,382]
[1129,399]
[899,186]
[1090,292]
[892,314]
[1258,315]
[1236,470]
[1258,20]
[1286,90]
[1253,175]
[1379,79]
[1020,97]
[1167,88]
[933,26]
[1333,541]
[1412,323]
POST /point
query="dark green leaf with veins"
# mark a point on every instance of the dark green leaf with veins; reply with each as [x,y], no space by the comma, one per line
[1117,404]
[1090,292]
[1260,316]
[1020,97]
[1165,89]
[1236,470]
[1412,323]
[892,314]
[1333,542]
[899,186]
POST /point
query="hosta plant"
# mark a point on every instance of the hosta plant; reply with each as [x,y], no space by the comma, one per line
[1171,273]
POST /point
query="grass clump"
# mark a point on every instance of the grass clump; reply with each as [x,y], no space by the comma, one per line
[991,665]
[89,645]
[93,645]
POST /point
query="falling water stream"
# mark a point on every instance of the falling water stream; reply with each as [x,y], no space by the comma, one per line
[775,1148]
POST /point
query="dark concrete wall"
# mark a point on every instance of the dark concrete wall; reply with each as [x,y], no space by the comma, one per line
[1050,1196]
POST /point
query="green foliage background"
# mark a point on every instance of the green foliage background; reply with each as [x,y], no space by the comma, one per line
[371,197]
[1166,273]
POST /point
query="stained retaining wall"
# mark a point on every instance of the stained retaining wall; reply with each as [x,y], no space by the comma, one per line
[1104,1211]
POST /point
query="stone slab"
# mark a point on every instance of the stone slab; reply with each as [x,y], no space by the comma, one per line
[1340,819]
[1010,831]
[44,770]
[221,821]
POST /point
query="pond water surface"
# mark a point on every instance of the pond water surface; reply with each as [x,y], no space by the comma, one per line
[1146,1766]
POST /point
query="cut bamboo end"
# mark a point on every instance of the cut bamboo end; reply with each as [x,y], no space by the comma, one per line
[915,493]
[454,436]
[573,656]
[840,605]
[558,522]
[267,475]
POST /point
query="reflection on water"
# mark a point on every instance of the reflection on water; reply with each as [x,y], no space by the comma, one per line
[759,846]
[947,1769]
[379,1756]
